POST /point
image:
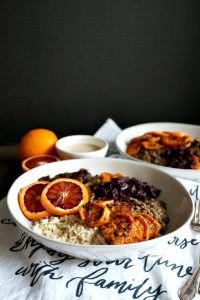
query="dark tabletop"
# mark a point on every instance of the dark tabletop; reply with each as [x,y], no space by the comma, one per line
[10,168]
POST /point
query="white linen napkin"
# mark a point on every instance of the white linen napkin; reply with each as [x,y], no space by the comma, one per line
[28,270]
[109,131]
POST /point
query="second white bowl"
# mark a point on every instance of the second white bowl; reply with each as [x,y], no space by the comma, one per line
[127,134]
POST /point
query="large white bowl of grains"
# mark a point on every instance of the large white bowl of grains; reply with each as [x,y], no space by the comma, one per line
[125,207]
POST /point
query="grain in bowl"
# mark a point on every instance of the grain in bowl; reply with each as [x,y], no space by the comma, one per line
[68,229]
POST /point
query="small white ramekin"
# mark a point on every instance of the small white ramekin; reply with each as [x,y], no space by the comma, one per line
[63,145]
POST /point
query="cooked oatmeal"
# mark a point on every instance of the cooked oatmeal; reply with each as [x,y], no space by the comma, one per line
[68,229]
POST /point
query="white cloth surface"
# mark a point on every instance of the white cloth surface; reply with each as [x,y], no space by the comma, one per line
[30,271]
[109,131]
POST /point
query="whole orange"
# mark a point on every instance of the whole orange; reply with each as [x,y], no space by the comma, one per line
[36,142]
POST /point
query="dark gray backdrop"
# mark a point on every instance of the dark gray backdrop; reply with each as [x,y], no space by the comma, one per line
[69,65]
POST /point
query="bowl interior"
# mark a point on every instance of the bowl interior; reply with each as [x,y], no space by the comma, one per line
[179,203]
[127,134]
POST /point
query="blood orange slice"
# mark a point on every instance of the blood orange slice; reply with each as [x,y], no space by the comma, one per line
[64,196]
[29,201]
[37,160]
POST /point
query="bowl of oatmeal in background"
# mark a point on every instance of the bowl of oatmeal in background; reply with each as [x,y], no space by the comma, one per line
[129,133]
[178,203]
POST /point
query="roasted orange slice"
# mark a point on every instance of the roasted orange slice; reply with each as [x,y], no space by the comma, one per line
[137,139]
[157,133]
[176,139]
[121,207]
[119,230]
[94,214]
[29,201]
[64,196]
[133,149]
[125,228]
[196,162]
[154,226]
[152,145]
[37,160]
[106,177]
[141,228]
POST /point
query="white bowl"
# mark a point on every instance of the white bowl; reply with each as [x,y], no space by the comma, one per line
[127,134]
[81,146]
[179,205]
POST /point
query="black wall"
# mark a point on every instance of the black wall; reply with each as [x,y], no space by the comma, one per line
[69,65]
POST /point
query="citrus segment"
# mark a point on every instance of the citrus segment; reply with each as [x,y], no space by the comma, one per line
[37,160]
[29,201]
[64,196]
[36,142]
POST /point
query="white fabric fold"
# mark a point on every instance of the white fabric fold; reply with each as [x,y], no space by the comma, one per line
[109,131]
